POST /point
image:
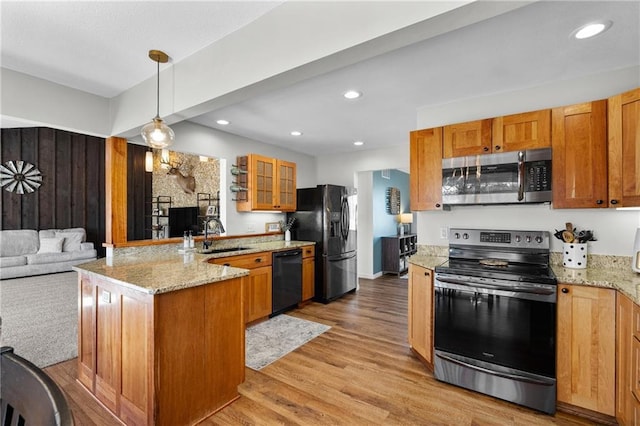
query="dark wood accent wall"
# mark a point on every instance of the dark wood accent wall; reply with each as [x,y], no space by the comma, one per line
[139,193]
[72,193]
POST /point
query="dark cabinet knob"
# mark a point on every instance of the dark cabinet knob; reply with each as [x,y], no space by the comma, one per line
[565,290]
[614,201]
[485,149]
[599,202]
[498,147]
[426,274]
[258,260]
[438,205]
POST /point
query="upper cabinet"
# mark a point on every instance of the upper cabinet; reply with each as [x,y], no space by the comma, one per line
[271,185]
[517,132]
[425,177]
[529,130]
[624,149]
[579,143]
[471,138]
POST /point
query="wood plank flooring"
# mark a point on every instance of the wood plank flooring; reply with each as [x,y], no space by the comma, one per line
[360,372]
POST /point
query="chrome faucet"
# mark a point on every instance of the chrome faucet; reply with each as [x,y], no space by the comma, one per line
[217,230]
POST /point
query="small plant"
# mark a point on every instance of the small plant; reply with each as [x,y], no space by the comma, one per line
[288,225]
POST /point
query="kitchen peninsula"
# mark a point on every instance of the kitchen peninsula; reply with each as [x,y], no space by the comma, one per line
[160,335]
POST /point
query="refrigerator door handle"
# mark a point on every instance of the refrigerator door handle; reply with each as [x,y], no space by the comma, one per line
[345,218]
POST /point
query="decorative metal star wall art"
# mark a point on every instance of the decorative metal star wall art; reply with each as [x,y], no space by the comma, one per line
[19,177]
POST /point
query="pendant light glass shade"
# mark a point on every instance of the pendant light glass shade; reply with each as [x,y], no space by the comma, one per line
[156,134]
[148,161]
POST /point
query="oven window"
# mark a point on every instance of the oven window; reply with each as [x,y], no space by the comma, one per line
[507,331]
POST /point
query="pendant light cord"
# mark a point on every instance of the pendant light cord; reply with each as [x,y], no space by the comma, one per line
[158,91]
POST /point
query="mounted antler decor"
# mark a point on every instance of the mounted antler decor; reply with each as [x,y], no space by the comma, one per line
[186,181]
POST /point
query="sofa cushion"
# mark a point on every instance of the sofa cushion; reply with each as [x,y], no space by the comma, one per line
[42,258]
[18,242]
[51,245]
[72,240]
[7,262]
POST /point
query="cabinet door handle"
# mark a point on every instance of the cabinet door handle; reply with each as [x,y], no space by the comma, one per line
[614,201]
[565,290]
[498,147]
[438,205]
[485,149]
[426,274]
[599,202]
[258,260]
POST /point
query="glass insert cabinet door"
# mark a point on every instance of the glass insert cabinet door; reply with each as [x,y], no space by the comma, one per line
[264,180]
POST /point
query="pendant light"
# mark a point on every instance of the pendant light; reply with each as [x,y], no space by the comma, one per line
[156,134]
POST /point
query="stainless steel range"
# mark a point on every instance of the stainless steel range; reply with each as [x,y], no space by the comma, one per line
[495,316]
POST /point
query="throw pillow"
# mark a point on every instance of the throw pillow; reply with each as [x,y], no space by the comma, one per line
[51,245]
[72,240]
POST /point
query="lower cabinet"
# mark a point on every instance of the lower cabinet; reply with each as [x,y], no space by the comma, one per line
[257,286]
[308,272]
[586,344]
[421,312]
[167,359]
[627,361]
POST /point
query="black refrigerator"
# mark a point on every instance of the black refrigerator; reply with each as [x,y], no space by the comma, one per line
[327,214]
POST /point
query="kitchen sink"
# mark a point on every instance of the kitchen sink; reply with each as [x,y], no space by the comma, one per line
[221,250]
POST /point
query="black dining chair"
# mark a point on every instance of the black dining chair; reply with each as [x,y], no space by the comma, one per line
[28,396]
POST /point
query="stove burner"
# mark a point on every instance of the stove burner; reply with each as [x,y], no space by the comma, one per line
[494,262]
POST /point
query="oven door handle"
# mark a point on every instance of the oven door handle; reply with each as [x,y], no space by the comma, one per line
[496,373]
[498,287]
[520,176]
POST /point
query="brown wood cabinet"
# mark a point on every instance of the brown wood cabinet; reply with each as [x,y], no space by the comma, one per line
[425,177]
[471,138]
[271,185]
[624,149]
[586,347]
[308,272]
[166,359]
[516,132]
[627,370]
[257,286]
[421,312]
[579,142]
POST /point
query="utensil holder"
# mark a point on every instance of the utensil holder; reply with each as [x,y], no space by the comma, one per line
[574,255]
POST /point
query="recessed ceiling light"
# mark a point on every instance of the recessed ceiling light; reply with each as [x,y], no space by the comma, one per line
[592,29]
[296,133]
[223,122]
[358,143]
[352,94]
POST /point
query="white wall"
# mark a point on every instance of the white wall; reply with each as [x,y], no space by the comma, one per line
[339,169]
[365,225]
[196,139]
[614,229]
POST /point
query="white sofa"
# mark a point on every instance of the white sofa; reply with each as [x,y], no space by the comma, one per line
[26,252]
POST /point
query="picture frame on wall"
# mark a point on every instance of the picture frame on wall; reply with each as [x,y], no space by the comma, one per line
[272,227]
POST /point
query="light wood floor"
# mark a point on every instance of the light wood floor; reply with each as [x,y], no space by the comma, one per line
[360,372]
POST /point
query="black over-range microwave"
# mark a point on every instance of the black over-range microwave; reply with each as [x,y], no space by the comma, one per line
[506,178]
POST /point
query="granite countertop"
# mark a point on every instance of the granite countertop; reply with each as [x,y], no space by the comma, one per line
[426,261]
[624,280]
[161,269]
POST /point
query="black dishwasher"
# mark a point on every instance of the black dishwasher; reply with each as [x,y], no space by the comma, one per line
[287,280]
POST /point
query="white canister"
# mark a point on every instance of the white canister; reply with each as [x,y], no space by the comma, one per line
[635,260]
[574,255]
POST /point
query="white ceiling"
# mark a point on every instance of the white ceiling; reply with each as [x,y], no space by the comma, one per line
[96,47]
